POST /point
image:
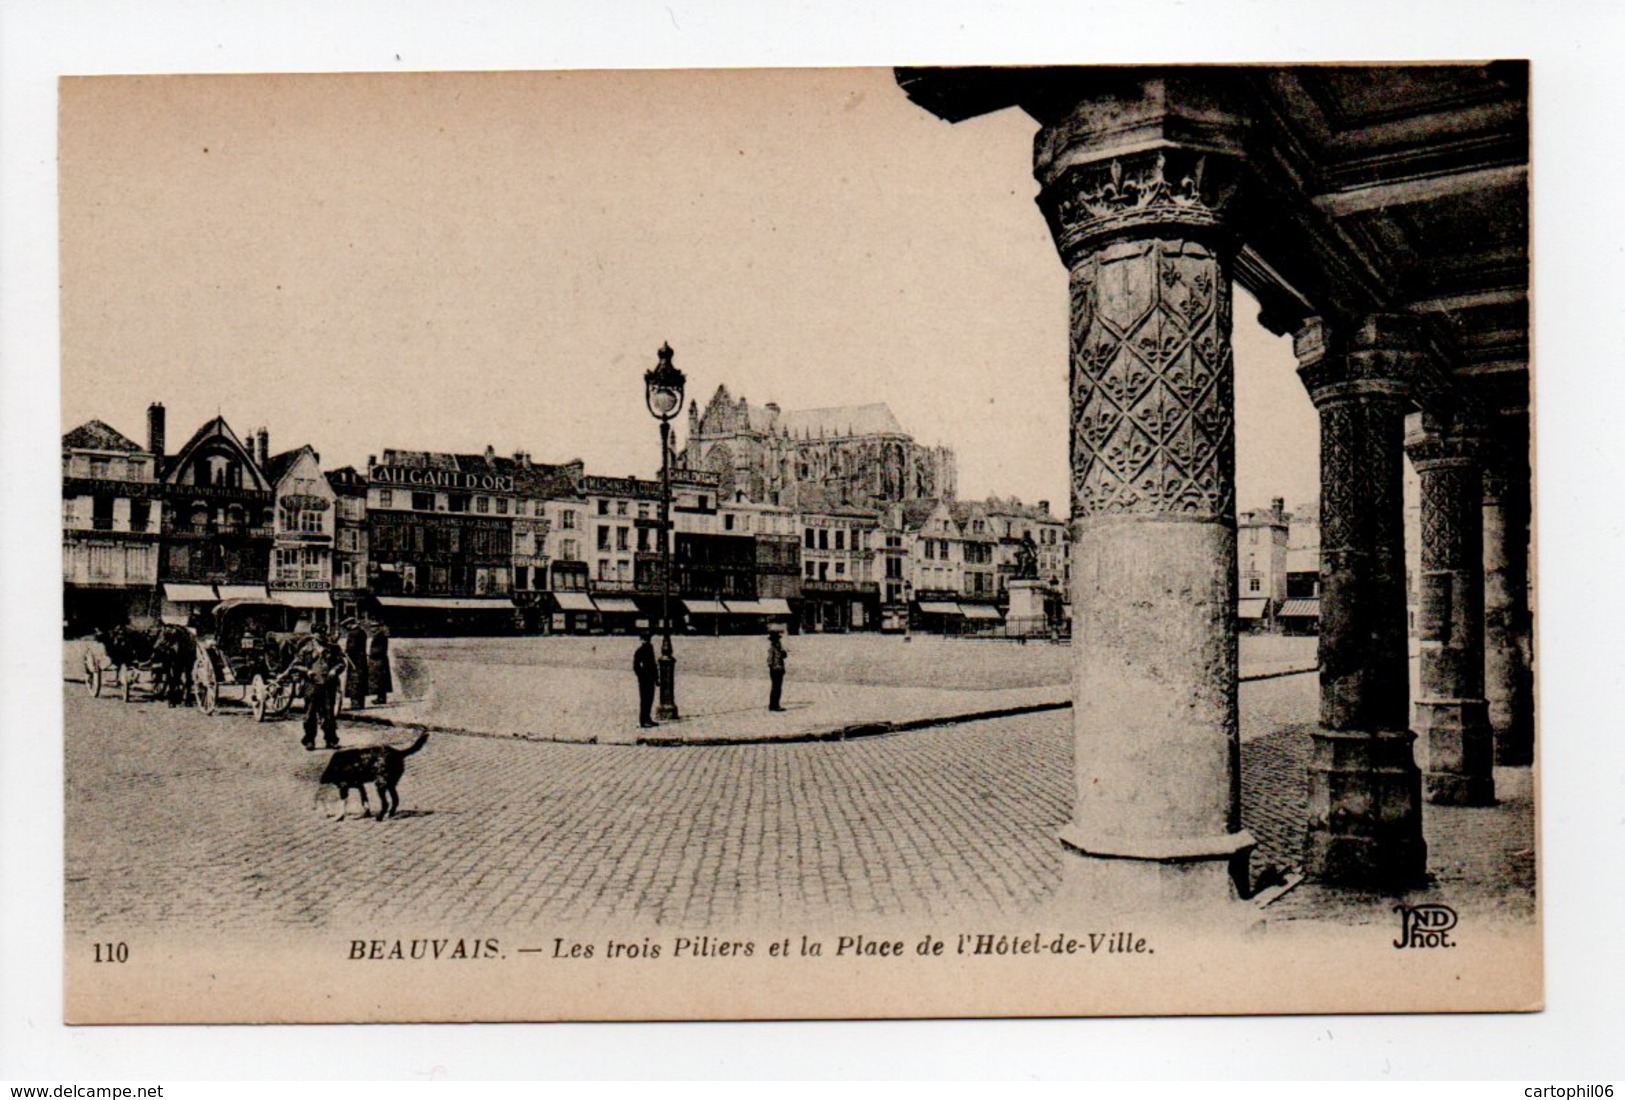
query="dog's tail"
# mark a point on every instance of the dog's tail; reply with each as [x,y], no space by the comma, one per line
[416,745]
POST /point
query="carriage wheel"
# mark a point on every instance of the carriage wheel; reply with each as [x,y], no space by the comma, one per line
[280,699]
[93,677]
[205,688]
[256,697]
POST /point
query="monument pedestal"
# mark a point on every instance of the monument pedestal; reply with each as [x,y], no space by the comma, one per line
[1025,616]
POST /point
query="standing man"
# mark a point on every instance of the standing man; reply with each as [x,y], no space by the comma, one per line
[643,663]
[379,679]
[775,670]
[355,654]
[323,662]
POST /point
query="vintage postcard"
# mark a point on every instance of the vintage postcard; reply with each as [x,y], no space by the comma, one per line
[798,543]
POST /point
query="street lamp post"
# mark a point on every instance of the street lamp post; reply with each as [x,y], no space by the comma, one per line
[663,392]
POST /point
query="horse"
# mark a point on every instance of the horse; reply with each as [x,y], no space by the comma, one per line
[167,650]
[127,648]
[174,653]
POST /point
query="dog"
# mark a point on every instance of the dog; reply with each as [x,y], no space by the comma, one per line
[379,765]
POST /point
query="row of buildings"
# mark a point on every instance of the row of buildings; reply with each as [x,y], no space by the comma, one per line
[1278,562]
[825,520]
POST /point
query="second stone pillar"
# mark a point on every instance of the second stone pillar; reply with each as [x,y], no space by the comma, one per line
[1365,789]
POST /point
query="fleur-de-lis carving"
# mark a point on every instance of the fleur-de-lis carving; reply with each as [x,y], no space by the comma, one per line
[1159,346]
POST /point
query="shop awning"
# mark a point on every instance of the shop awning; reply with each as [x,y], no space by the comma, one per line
[574,601]
[243,592]
[1300,609]
[705,607]
[306,599]
[616,605]
[933,608]
[979,611]
[769,607]
[1251,608]
[190,593]
[445,603]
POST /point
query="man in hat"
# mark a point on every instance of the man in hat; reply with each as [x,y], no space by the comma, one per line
[775,670]
[355,654]
[379,679]
[643,664]
[323,661]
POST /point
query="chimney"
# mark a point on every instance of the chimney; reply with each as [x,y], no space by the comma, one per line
[262,449]
[155,428]
[1278,506]
[1043,507]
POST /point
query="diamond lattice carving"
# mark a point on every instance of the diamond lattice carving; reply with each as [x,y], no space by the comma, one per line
[1153,427]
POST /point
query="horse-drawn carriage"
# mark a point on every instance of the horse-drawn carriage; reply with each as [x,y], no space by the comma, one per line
[155,660]
[254,650]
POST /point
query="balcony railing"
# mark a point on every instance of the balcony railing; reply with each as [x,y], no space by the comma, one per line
[211,530]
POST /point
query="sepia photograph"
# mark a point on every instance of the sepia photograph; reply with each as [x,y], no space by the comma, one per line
[819,543]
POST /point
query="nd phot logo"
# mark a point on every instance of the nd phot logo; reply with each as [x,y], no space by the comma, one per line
[1425,925]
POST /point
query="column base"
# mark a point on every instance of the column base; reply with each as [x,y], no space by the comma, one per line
[1507,690]
[1365,811]
[1460,751]
[1186,877]
[1514,748]
[1446,789]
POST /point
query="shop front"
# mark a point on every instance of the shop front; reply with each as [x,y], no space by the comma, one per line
[446,616]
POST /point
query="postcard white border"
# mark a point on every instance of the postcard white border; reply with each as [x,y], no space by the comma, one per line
[1577,224]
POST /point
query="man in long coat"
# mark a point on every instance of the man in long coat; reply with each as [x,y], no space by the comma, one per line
[775,671]
[643,665]
[379,680]
[355,653]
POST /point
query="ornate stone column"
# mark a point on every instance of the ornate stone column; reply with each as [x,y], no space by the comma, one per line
[1451,711]
[1135,186]
[1365,790]
[1508,684]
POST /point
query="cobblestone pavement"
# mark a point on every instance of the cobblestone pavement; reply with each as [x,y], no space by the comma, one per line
[186,821]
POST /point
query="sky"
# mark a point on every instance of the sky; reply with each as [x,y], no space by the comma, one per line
[445,261]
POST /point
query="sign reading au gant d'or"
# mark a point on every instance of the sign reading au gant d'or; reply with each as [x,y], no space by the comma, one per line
[439,479]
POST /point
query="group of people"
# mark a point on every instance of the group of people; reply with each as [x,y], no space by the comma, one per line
[645,668]
[364,655]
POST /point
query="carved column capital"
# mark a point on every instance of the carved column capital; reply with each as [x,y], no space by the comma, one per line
[1376,357]
[1144,153]
[1435,443]
[1184,191]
